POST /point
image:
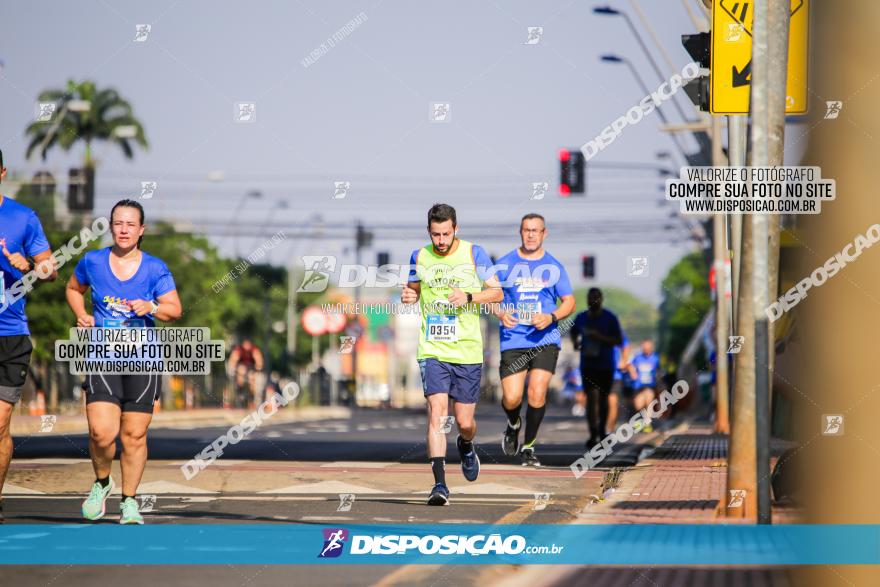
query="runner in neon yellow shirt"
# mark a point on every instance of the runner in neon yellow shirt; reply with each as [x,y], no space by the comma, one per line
[450,278]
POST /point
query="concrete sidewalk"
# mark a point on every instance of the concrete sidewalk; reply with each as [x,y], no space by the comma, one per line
[683,481]
[199,418]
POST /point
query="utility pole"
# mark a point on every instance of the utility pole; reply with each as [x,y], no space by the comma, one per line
[719,246]
[744,483]
[750,441]
[363,238]
[737,127]
[741,469]
[291,311]
[779,34]
[769,70]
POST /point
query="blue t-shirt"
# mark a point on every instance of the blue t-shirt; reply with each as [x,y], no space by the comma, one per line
[646,369]
[595,355]
[110,296]
[532,286]
[23,233]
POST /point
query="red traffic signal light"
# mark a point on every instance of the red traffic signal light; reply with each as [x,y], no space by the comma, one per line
[572,172]
[589,266]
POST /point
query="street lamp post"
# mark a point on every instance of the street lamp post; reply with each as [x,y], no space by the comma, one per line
[609,11]
[611,58]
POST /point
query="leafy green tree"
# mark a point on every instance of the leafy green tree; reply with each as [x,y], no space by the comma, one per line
[83,113]
[686,300]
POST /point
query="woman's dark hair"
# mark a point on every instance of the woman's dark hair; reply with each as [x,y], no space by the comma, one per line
[129,204]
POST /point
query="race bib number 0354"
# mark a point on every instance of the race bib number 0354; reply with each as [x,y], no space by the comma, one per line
[441,328]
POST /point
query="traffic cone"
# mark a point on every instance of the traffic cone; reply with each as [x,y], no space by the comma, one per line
[41,403]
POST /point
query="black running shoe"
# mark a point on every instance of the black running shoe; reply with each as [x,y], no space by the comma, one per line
[528,458]
[439,495]
[510,440]
[470,462]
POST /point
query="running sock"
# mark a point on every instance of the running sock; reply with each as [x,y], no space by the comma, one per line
[124,497]
[513,416]
[104,482]
[467,445]
[438,467]
[533,421]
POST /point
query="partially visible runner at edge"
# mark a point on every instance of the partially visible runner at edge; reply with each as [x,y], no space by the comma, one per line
[21,236]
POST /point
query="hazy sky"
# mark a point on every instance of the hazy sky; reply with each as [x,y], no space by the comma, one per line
[360,113]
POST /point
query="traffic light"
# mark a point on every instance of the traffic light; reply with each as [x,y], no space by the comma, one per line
[81,189]
[589,266]
[572,172]
[698,47]
[363,237]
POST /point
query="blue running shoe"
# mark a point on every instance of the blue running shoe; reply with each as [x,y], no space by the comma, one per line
[470,462]
[439,495]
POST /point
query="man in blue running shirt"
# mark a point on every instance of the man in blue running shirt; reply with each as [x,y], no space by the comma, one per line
[643,369]
[21,236]
[533,281]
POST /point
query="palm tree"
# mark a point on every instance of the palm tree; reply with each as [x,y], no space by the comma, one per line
[83,113]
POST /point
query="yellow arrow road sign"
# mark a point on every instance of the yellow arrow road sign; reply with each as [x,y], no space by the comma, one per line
[731,67]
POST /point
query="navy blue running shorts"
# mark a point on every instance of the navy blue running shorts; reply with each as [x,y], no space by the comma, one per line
[461,382]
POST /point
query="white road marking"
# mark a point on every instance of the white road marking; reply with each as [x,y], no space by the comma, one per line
[330,486]
[162,487]
[50,461]
[489,489]
[356,464]
[10,489]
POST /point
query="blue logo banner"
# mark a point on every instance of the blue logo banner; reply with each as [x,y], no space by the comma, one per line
[283,544]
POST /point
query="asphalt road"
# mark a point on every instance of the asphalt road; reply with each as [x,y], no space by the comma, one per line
[368,469]
[370,435]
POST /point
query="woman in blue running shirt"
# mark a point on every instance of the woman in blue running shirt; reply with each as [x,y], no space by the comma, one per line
[130,289]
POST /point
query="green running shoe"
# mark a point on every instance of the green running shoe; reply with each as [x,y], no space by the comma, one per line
[130,512]
[95,505]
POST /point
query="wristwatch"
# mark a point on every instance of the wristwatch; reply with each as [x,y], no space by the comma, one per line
[155,308]
[470,297]
[554,318]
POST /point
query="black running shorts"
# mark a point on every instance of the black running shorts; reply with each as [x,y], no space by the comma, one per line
[15,357]
[132,393]
[539,357]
